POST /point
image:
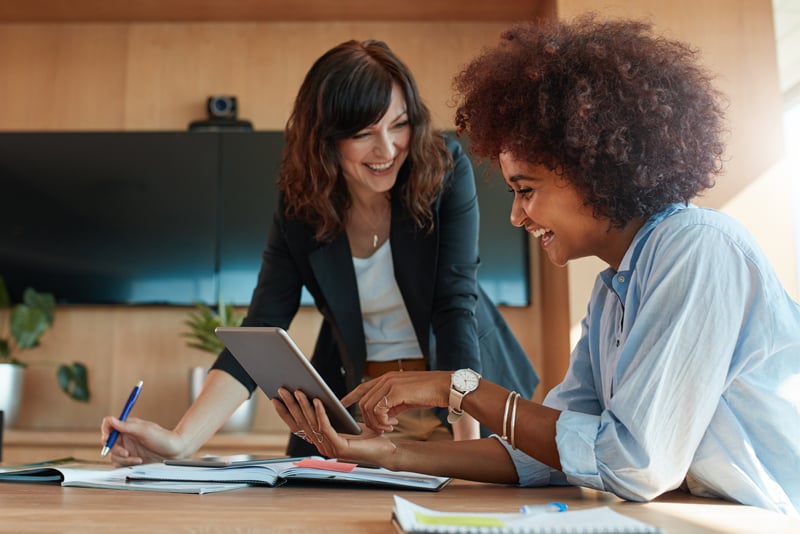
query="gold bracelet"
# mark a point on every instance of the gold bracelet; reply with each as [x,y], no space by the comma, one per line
[514,420]
[505,414]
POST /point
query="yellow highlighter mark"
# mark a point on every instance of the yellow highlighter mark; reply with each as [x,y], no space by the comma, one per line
[458,520]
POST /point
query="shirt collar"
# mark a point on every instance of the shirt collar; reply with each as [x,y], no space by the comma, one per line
[618,279]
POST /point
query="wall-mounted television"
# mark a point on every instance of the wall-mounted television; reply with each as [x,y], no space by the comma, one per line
[173,217]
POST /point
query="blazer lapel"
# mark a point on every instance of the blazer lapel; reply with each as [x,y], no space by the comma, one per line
[332,265]
[414,256]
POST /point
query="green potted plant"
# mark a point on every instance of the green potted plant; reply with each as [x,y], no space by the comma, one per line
[202,322]
[27,322]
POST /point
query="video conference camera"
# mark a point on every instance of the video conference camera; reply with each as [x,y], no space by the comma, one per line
[221,107]
[222,113]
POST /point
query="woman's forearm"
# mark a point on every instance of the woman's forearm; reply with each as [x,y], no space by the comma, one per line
[466,428]
[531,426]
[219,398]
[483,460]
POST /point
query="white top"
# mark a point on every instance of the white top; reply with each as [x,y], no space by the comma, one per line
[387,326]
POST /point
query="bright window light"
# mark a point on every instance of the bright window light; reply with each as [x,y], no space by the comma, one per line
[791,125]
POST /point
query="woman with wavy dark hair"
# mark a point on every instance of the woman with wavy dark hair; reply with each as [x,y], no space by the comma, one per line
[686,374]
[378,219]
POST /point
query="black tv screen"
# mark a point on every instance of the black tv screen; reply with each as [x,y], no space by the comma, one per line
[173,218]
[109,218]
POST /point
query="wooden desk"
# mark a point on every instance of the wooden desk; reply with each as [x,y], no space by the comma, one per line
[28,508]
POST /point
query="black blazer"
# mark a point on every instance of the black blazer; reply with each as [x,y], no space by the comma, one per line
[456,323]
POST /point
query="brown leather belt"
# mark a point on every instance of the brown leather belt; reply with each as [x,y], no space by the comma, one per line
[376,369]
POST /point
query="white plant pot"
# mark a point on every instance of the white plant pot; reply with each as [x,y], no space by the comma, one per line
[241,420]
[12,378]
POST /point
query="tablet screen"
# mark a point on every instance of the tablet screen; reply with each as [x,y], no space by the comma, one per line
[273,360]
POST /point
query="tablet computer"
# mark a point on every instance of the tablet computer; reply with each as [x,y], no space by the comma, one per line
[273,360]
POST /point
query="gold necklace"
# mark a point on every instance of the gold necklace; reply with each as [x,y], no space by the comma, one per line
[375,237]
[374,224]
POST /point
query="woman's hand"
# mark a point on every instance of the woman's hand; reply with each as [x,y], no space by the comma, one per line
[382,398]
[140,441]
[310,422]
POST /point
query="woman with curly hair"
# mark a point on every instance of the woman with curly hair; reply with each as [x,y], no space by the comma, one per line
[687,373]
[378,219]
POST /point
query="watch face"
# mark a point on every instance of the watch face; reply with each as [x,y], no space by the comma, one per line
[465,380]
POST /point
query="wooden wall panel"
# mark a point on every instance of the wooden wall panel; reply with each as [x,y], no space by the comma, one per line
[62,77]
[122,345]
[158,76]
[268,10]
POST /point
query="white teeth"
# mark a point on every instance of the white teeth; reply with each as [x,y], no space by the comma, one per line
[380,166]
[539,232]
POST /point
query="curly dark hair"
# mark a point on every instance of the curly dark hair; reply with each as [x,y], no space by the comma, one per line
[346,90]
[631,119]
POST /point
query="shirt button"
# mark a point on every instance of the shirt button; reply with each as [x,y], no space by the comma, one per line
[621,278]
[618,342]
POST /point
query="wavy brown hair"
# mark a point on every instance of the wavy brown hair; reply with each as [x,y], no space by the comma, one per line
[346,90]
[629,118]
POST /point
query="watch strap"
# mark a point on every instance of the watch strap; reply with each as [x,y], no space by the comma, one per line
[454,410]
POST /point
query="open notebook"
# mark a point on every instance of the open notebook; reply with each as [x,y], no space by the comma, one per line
[280,471]
[70,472]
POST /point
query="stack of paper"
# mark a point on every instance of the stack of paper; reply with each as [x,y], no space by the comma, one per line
[411,517]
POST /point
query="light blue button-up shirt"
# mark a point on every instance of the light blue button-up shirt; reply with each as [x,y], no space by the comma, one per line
[687,370]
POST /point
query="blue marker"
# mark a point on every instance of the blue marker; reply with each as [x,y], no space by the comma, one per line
[125,411]
[533,509]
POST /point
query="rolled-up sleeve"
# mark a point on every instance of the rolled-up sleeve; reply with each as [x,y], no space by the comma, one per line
[530,471]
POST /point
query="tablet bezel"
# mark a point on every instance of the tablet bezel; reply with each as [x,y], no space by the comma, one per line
[273,360]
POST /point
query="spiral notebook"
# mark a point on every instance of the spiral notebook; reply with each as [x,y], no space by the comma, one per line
[412,518]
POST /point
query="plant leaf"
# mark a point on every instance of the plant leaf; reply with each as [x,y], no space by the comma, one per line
[41,301]
[203,321]
[73,380]
[223,311]
[27,325]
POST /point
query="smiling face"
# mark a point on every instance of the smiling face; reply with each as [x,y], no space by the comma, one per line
[550,208]
[371,159]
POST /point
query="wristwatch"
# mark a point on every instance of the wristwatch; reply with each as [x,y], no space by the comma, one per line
[462,382]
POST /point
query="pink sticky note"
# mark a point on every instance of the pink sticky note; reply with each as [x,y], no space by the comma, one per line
[328,465]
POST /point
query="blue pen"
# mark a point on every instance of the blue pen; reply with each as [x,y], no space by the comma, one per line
[125,411]
[533,509]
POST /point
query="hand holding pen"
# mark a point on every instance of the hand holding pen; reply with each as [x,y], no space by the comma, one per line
[112,438]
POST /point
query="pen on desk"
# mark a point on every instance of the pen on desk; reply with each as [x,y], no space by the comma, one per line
[533,509]
[112,438]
